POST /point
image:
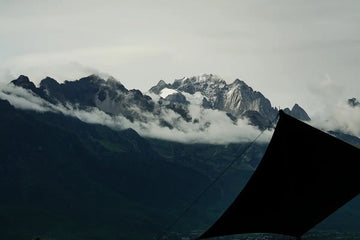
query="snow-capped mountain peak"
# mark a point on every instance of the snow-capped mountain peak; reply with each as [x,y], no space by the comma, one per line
[236,98]
[198,103]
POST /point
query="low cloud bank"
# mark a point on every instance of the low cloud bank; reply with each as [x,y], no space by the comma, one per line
[334,113]
[339,117]
[212,126]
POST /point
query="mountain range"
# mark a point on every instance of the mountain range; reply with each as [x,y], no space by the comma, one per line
[71,168]
[236,100]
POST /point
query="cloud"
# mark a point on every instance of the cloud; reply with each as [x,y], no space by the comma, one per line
[333,113]
[41,69]
[326,89]
[212,127]
[65,65]
[339,117]
[23,99]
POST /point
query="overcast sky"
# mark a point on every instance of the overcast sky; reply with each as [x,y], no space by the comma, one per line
[291,51]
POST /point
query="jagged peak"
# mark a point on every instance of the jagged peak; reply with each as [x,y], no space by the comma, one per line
[24,82]
[300,113]
[112,79]
[238,82]
[243,87]
[96,80]
[161,83]
[23,78]
[205,77]
[48,78]
[92,78]
[209,77]
[198,83]
[297,112]
[48,81]
[113,82]
[353,102]
[295,107]
[159,87]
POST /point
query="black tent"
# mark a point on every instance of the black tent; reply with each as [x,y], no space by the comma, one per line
[304,176]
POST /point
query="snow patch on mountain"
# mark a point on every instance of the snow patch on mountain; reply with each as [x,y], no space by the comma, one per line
[234,99]
[166,92]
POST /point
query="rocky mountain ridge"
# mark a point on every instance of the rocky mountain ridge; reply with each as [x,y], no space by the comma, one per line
[236,99]
[207,92]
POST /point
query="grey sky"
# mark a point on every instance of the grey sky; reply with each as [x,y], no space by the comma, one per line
[291,51]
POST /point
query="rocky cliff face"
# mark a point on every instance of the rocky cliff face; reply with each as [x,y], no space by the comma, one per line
[297,112]
[237,99]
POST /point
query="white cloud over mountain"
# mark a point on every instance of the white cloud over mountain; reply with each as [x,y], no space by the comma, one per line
[217,127]
[205,125]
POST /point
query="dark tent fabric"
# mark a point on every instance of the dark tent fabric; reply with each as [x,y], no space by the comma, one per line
[304,176]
